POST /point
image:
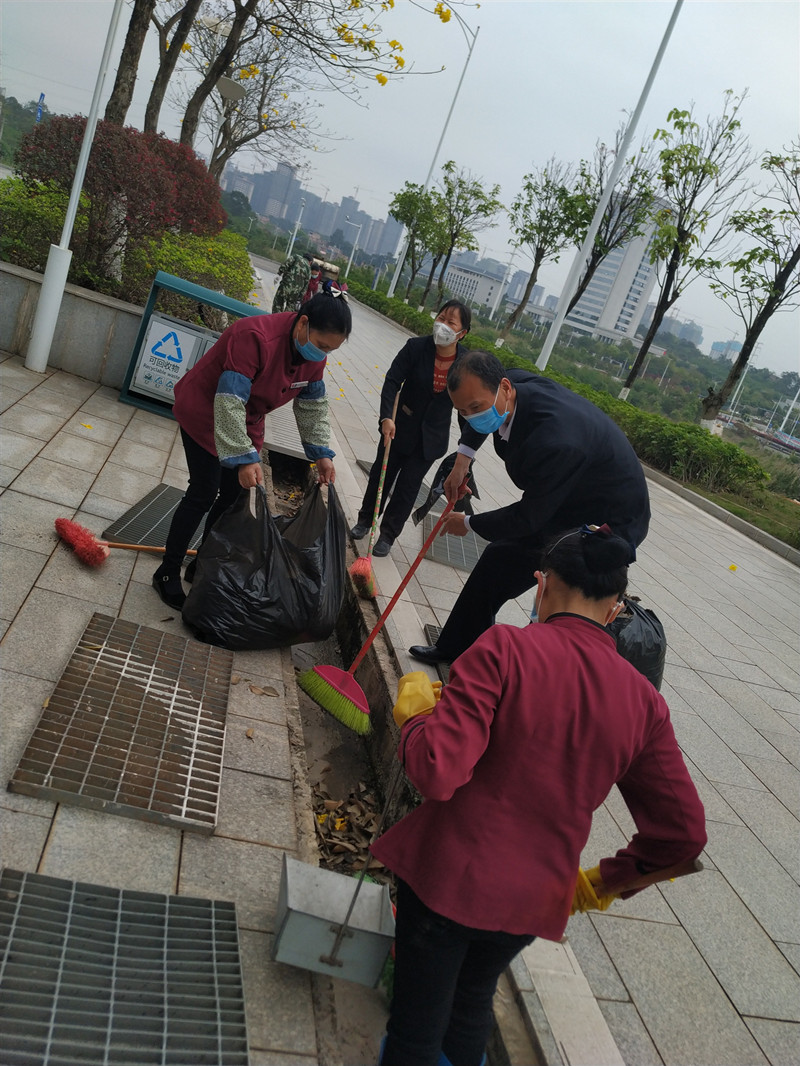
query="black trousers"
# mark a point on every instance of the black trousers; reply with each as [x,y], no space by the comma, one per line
[445,977]
[212,487]
[504,571]
[404,474]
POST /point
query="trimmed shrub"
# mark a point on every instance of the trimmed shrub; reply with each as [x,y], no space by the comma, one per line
[220,263]
[31,219]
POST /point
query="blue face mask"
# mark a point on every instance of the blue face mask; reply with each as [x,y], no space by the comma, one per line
[310,351]
[490,420]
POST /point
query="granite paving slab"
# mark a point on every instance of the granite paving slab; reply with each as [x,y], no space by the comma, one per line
[33,423]
[756,976]
[629,1033]
[708,752]
[19,570]
[18,449]
[763,885]
[54,481]
[280,1009]
[658,964]
[21,701]
[76,451]
[257,809]
[248,874]
[780,1041]
[780,777]
[257,747]
[776,827]
[108,850]
[121,483]
[94,427]
[22,838]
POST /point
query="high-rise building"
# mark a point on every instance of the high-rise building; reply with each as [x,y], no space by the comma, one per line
[725,350]
[615,299]
[472,286]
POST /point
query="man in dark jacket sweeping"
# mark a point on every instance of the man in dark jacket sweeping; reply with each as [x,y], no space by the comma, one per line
[573,464]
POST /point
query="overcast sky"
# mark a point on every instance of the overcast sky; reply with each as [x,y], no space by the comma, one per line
[545,78]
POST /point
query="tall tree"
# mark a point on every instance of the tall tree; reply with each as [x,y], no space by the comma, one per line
[468,209]
[412,206]
[545,215]
[762,277]
[170,47]
[629,208]
[273,116]
[436,240]
[122,93]
[701,177]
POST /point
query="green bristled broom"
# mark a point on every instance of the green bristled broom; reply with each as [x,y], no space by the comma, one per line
[336,690]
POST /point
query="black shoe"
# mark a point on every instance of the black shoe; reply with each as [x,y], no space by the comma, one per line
[188,573]
[382,547]
[428,653]
[359,531]
[170,589]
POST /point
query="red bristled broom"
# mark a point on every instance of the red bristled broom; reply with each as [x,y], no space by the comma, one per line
[92,551]
[361,570]
[336,690]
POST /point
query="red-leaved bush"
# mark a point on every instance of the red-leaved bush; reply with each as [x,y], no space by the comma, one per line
[138,185]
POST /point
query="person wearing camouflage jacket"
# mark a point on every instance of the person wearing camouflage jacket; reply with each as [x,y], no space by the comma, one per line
[294,274]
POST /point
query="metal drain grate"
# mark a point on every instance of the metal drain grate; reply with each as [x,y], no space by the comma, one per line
[135,726]
[148,521]
[90,974]
[460,552]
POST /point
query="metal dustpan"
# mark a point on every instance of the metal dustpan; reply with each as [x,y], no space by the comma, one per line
[330,924]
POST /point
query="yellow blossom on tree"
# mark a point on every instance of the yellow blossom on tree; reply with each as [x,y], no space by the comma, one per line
[293,124]
[443,12]
[381,79]
[185,47]
[396,45]
[399,62]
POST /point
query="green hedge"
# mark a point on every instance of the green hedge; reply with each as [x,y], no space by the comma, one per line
[681,449]
[220,263]
[31,219]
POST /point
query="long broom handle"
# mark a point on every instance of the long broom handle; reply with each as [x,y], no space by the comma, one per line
[368,643]
[141,547]
[379,494]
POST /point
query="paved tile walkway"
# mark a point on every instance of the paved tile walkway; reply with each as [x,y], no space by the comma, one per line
[702,971]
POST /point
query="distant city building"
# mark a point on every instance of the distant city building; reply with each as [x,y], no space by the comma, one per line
[615,300]
[277,194]
[516,290]
[727,350]
[472,286]
[551,303]
[687,331]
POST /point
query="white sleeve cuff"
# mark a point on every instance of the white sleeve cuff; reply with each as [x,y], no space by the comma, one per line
[464,449]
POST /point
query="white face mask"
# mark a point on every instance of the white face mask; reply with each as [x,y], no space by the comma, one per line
[443,335]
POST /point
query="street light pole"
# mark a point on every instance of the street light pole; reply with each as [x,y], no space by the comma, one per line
[60,256]
[404,246]
[502,286]
[586,248]
[355,244]
[296,228]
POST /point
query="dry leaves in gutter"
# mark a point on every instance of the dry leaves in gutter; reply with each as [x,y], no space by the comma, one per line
[345,829]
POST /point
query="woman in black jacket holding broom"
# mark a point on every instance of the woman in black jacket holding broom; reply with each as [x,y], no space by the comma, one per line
[421,430]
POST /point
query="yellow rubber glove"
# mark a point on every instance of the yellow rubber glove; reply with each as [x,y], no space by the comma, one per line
[586,898]
[416,694]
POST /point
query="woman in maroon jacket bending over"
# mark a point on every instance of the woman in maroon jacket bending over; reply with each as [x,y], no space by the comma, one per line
[532,731]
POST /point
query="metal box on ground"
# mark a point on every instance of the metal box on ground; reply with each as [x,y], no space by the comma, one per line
[312,904]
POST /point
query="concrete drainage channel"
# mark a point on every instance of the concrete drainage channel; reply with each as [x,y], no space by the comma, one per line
[341,780]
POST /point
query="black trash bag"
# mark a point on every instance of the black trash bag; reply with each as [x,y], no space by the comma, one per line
[641,640]
[264,582]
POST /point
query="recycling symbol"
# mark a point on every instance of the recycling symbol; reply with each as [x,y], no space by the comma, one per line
[169,348]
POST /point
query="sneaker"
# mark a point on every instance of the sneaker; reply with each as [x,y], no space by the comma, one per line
[359,531]
[382,547]
[170,589]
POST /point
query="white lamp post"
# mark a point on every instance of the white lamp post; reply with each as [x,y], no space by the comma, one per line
[60,256]
[472,38]
[355,243]
[296,228]
[580,259]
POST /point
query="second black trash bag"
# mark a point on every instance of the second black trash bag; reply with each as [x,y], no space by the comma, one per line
[641,640]
[264,582]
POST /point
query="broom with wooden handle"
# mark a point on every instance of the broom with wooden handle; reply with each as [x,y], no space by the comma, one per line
[93,551]
[361,569]
[336,690]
